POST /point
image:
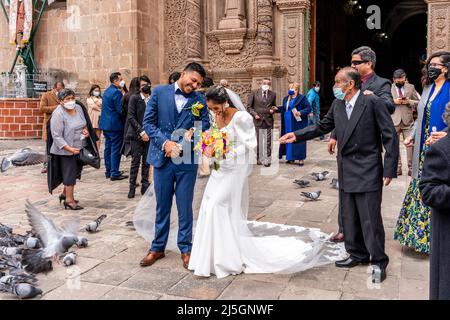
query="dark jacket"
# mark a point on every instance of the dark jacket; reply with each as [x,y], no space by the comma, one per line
[360,164]
[435,190]
[111,118]
[135,119]
[258,106]
[382,88]
[54,175]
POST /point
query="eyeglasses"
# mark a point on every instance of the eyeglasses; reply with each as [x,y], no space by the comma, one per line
[433,65]
[358,62]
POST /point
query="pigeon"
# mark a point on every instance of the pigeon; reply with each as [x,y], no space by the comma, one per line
[55,241]
[314,196]
[33,243]
[21,290]
[302,183]
[70,259]
[335,184]
[320,176]
[23,157]
[93,226]
[11,279]
[82,242]
[11,251]
[5,230]
[33,262]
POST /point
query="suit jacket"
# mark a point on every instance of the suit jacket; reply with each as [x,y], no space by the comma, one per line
[381,87]
[360,165]
[258,106]
[162,123]
[111,117]
[136,112]
[404,113]
[48,104]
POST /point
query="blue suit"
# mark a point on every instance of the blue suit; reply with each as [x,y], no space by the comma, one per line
[162,123]
[112,124]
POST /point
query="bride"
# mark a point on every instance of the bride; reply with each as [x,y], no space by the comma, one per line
[225,243]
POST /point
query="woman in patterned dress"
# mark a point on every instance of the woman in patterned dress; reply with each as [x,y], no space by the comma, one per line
[413,225]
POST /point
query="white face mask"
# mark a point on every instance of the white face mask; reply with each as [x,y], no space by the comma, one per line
[96,93]
[122,83]
[265,87]
[70,105]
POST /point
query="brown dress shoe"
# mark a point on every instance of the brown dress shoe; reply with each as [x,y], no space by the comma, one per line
[185,257]
[338,238]
[151,258]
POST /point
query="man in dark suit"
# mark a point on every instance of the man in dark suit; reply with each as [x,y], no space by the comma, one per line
[112,124]
[362,125]
[364,59]
[262,106]
[138,138]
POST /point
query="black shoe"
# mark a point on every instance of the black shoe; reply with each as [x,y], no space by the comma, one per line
[378,274]
[70,207]
[62,198]
[350,263]
[132,193]
[259,163]
[144,189]
[267,165]
[119,178]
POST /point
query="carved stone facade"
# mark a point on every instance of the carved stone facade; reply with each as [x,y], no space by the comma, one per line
[438,25]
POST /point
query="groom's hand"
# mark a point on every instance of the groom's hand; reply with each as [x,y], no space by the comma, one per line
[288,138]
[169,147]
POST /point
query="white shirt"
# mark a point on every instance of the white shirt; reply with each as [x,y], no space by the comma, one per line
[351,104]
[180,100]
[145,99]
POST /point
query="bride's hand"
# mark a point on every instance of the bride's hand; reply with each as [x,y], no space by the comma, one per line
[209,152]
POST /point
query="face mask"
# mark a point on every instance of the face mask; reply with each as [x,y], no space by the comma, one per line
[400,85]
[122,83]
[146,89]
[291,92]
[317,89]
[70,105]
[339,93]
[96,93]
[434,73]
[265,87]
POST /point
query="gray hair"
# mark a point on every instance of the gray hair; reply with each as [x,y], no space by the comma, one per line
[367,54]
[446,115]
[65,93]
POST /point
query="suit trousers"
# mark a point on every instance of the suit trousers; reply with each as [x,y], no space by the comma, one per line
[113,145]
[363,227]
[139,151]
[406,131]
[264,137]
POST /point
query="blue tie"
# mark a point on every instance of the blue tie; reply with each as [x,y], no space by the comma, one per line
[180,92]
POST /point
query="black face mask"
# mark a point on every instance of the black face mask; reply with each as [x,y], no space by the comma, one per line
[434,73]
[400,85]
[146,89]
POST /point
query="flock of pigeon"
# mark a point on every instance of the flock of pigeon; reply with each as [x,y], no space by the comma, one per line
[318,176]
[22,257]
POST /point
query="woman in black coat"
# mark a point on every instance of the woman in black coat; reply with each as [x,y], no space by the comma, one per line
[435,190]
[138,138]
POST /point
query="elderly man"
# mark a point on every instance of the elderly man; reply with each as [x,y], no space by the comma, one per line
[364,60]
[363,126]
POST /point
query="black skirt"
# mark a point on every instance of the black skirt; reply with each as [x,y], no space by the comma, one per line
[71,168]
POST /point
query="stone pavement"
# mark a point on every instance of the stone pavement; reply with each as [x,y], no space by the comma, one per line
[109,267]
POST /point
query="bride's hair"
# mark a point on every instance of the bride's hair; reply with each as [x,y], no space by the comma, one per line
[219,95]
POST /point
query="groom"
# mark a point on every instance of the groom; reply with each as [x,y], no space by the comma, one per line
[168,117]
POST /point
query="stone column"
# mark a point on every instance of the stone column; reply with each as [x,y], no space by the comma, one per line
[294,27]
[193,28]
[438,25]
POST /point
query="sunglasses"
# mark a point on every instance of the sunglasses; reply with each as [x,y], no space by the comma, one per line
[358,62]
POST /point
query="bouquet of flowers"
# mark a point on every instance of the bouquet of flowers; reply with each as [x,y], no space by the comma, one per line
[218,141]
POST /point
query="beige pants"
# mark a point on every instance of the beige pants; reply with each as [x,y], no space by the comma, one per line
[20,20]
[404,132]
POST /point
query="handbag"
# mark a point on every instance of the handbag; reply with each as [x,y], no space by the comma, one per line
[90,157]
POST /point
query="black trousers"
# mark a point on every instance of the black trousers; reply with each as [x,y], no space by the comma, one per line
[264,137]
[363,227]
[139,151]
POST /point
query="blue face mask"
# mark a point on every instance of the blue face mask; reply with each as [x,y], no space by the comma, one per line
[291,92]
[338,93]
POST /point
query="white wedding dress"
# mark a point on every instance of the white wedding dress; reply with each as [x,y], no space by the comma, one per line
[225,243]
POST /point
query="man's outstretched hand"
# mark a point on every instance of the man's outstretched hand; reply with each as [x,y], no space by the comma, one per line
[288,138]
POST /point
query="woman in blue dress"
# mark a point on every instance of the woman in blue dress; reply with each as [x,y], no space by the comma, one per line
[294,116]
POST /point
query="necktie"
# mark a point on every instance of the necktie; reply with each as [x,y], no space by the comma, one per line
[400,93]
[265,95]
